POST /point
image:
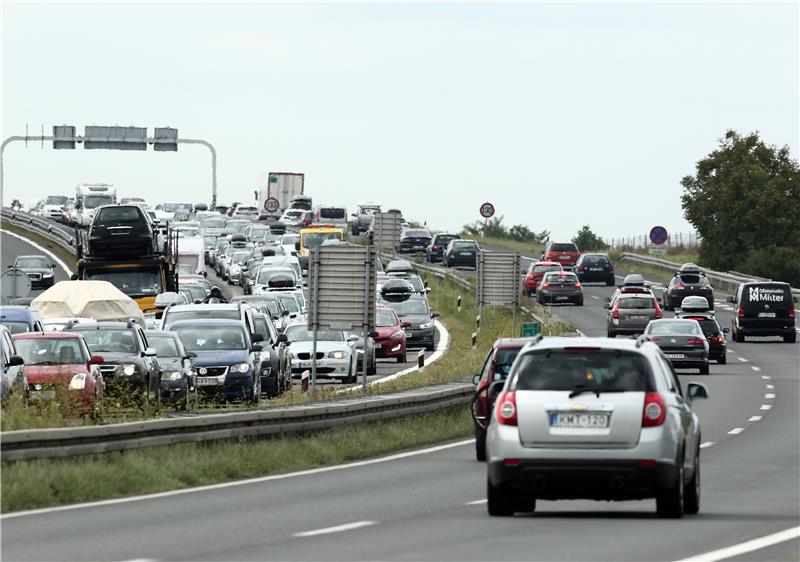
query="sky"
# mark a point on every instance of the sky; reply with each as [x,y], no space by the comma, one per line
[561,115]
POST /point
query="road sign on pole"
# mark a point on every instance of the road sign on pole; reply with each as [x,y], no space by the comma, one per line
[487,210]
[271,205]
[658,235]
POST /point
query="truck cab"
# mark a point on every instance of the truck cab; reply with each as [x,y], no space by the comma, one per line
[314,236]
[88,198]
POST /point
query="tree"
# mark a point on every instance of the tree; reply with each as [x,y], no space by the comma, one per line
[586,240]
[743,199]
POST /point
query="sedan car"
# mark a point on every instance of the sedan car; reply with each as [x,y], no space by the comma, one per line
[391,339]
[59,366]
[682,341]
[690,280]
[414,240]
[561,288]
[336,354]
[38,269]
[536,271]
[593,418]
[178,376]
[461,252]
[595,268]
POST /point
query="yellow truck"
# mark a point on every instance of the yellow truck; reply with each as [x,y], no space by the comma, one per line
[312,236]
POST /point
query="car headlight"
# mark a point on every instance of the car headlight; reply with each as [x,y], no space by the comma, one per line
[47,274]
[78,382]
[128,370]
[426,325]
[337,355]
[240,368]
[235,269]
[398,335]
[171,376]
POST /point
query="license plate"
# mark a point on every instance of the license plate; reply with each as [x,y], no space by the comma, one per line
[579,420]
[464,254]
[42,394]
[561,298]
[306,364]
[595,269]
[675,355]
[564,258]
[766,315]
[207,381]
[637,317]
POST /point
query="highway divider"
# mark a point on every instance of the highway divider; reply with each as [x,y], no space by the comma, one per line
[43,227]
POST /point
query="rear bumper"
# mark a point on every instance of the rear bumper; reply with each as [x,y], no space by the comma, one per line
[560,297]
[614,479]
[597,276]
[462,260]
[767,327]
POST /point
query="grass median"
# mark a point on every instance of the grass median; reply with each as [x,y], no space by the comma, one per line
[50,482]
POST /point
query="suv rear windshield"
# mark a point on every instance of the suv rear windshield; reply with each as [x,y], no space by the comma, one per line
[563,248]
[692,278]
[773,294]
[708,325]
[119,214]
[636,303]
[464,244]
[444,239]
[595,260]
[332,213]
[575,370]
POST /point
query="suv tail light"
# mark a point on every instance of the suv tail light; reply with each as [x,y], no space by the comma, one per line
[659,312]
[740,312]
[678,287]
[718,339]
[695,341]
[615,311]
[791,313]
[507,408]
[655,410]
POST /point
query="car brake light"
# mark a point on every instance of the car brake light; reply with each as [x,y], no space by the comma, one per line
[791,313]
[659,313]
[695,341]
[740,312]
[615,312]
[580,269]
[578,285]
[655,410]
[679,287]
[655,340]
[717,339]
[545,285]
[434,248]
[507,408]
[611,268]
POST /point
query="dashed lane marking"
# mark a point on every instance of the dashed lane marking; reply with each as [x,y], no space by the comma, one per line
[766,377]
[756,369]
[769,396]
[477,502]
[766,406]
[336,529]
[743,360]
[754,418]
[736,431]
[769,386]
[706,445]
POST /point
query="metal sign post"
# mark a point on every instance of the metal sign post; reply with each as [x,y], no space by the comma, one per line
[314,317]
[15,284]
[499,282]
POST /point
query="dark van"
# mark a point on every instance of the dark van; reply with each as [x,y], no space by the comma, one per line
[764,309]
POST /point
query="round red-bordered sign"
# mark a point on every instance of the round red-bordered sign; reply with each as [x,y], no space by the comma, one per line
[271,205]
[487,210]
[658,235]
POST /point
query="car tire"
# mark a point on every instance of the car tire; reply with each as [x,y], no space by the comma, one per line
[669,503]
[704,368]
[579,302]
[738,336]
[372,369]
[691,496]
[401,358]
[480,444]
[430,347]
[611,334]
[500,502]
[723,359]
[790,338]
[610,282]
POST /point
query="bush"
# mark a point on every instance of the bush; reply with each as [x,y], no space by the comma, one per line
[773,262]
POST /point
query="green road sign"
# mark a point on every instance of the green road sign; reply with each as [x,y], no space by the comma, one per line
[530,329]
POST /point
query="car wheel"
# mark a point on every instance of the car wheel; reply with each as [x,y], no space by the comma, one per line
[790,338]
[610,282]
[611,334]
[401,358]
[500,502]
[579,302]
[691,497]
[704,368]
[738,336]
[723,359]
[480,444]
[430,347]
[669,503]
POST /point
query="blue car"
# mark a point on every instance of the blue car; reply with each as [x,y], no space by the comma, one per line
[227,359]
[20,319]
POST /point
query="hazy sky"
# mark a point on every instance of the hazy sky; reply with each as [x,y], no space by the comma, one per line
[560,114]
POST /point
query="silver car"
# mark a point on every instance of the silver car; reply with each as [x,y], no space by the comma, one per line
[593,418]
[629,313]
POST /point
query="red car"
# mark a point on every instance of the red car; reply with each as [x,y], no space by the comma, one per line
[59,365]
[565,253]
[535,273]
[495,368]
[391,339]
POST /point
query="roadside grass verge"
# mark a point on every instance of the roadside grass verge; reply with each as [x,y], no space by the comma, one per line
[50,482]
[59,251]
[528,249]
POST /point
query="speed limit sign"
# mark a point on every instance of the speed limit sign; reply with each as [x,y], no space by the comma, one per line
[271,205]
[487,210]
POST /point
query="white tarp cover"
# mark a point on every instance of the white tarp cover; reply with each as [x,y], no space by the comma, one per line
[89,299]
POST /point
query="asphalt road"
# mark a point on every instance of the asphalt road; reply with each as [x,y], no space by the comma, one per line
[11,247]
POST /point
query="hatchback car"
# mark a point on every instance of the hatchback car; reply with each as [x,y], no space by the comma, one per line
[461,252]
[595,268]
[413,240]
[689,281]
[435,250]
[122,230]
[391,339]
[682,341]
[336,354]
[565,253]
[630,313]
[38,269]
[764,309]
[593,418]
[560,288]
[535,273]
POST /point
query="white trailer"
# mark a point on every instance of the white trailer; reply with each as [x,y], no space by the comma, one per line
[283,187]
[88,197]
[190,252]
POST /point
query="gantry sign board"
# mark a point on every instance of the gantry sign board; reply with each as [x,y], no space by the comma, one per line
[387,231]
[341,288]
[498,278]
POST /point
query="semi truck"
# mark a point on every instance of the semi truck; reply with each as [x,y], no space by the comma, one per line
[283,187]
[88,197]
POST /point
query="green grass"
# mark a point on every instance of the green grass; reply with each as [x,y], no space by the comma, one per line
[50,482]
[60,251]
[525,248]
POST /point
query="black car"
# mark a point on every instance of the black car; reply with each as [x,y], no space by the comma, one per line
[689,281]
[38,269]
[717,345]
[683,342]
[595,268]
[461,252]
[276,361]
[178,377]
[436,248]
[122,231]
[131,367]
[416,311]
[764,309]
[414,240]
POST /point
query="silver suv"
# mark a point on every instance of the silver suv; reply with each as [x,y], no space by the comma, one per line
[593,418]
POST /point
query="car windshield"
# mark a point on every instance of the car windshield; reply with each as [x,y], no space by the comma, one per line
[595,260]
[301,333]
[417,283]
[201,312]
[212,338]
[109,340]
[504,358]
[164,346]
[313,239]
[56,200]
[546,268]
[16,327]
[239,257]
[32,263]
[290,303]
[293,214]
[290,239]
[584,369]
[464,245]
[411,306]
[328,213]
[47,351]
[673,327]
[94,201]
[132,282]
[636,303]
[195,290]
[708,325]
[563,248]
[386,318]
[185,269]
[213,223]
[119,214]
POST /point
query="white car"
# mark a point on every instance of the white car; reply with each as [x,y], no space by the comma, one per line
[288,242]
[336,353]
[58,324]
[274,278]
[292,217]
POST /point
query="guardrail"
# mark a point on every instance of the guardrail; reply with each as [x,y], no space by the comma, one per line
[76,441]
[41,226]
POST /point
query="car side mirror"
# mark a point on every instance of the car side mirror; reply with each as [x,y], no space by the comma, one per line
[726,330]
[16,361]
[53,266]
[96,360]
[257,348]
[495,389]
[607,306]
[373,334]
[285,313]
[353,337]
[405,325]
[282,339]
[476,379]
[191,355]
[732,299]
[427,290]
[434,314]
[696,390]
[149,352]
[297,246]
[257,337]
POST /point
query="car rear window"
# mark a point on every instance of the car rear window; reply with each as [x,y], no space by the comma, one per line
[544,268]
[563,248]
[595,260]
[671,327]
[565,278]
[708,325]
[773,294]
[464,244]
[636,303]
[119,214]
[578,369]
[444,240]
[332,213]
[692,278]
[417,234]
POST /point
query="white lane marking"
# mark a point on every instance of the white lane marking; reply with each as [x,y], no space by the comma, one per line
[725,307]
[769,396]
[769,386]
[731,351]
[754,418]
[477,502]
[766,406]
[746,547]
[336,529]
[742,359]
[736,431]
[55,258]
[766,377]
[756,369]
[246,482]
[595,297]
[706,445]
